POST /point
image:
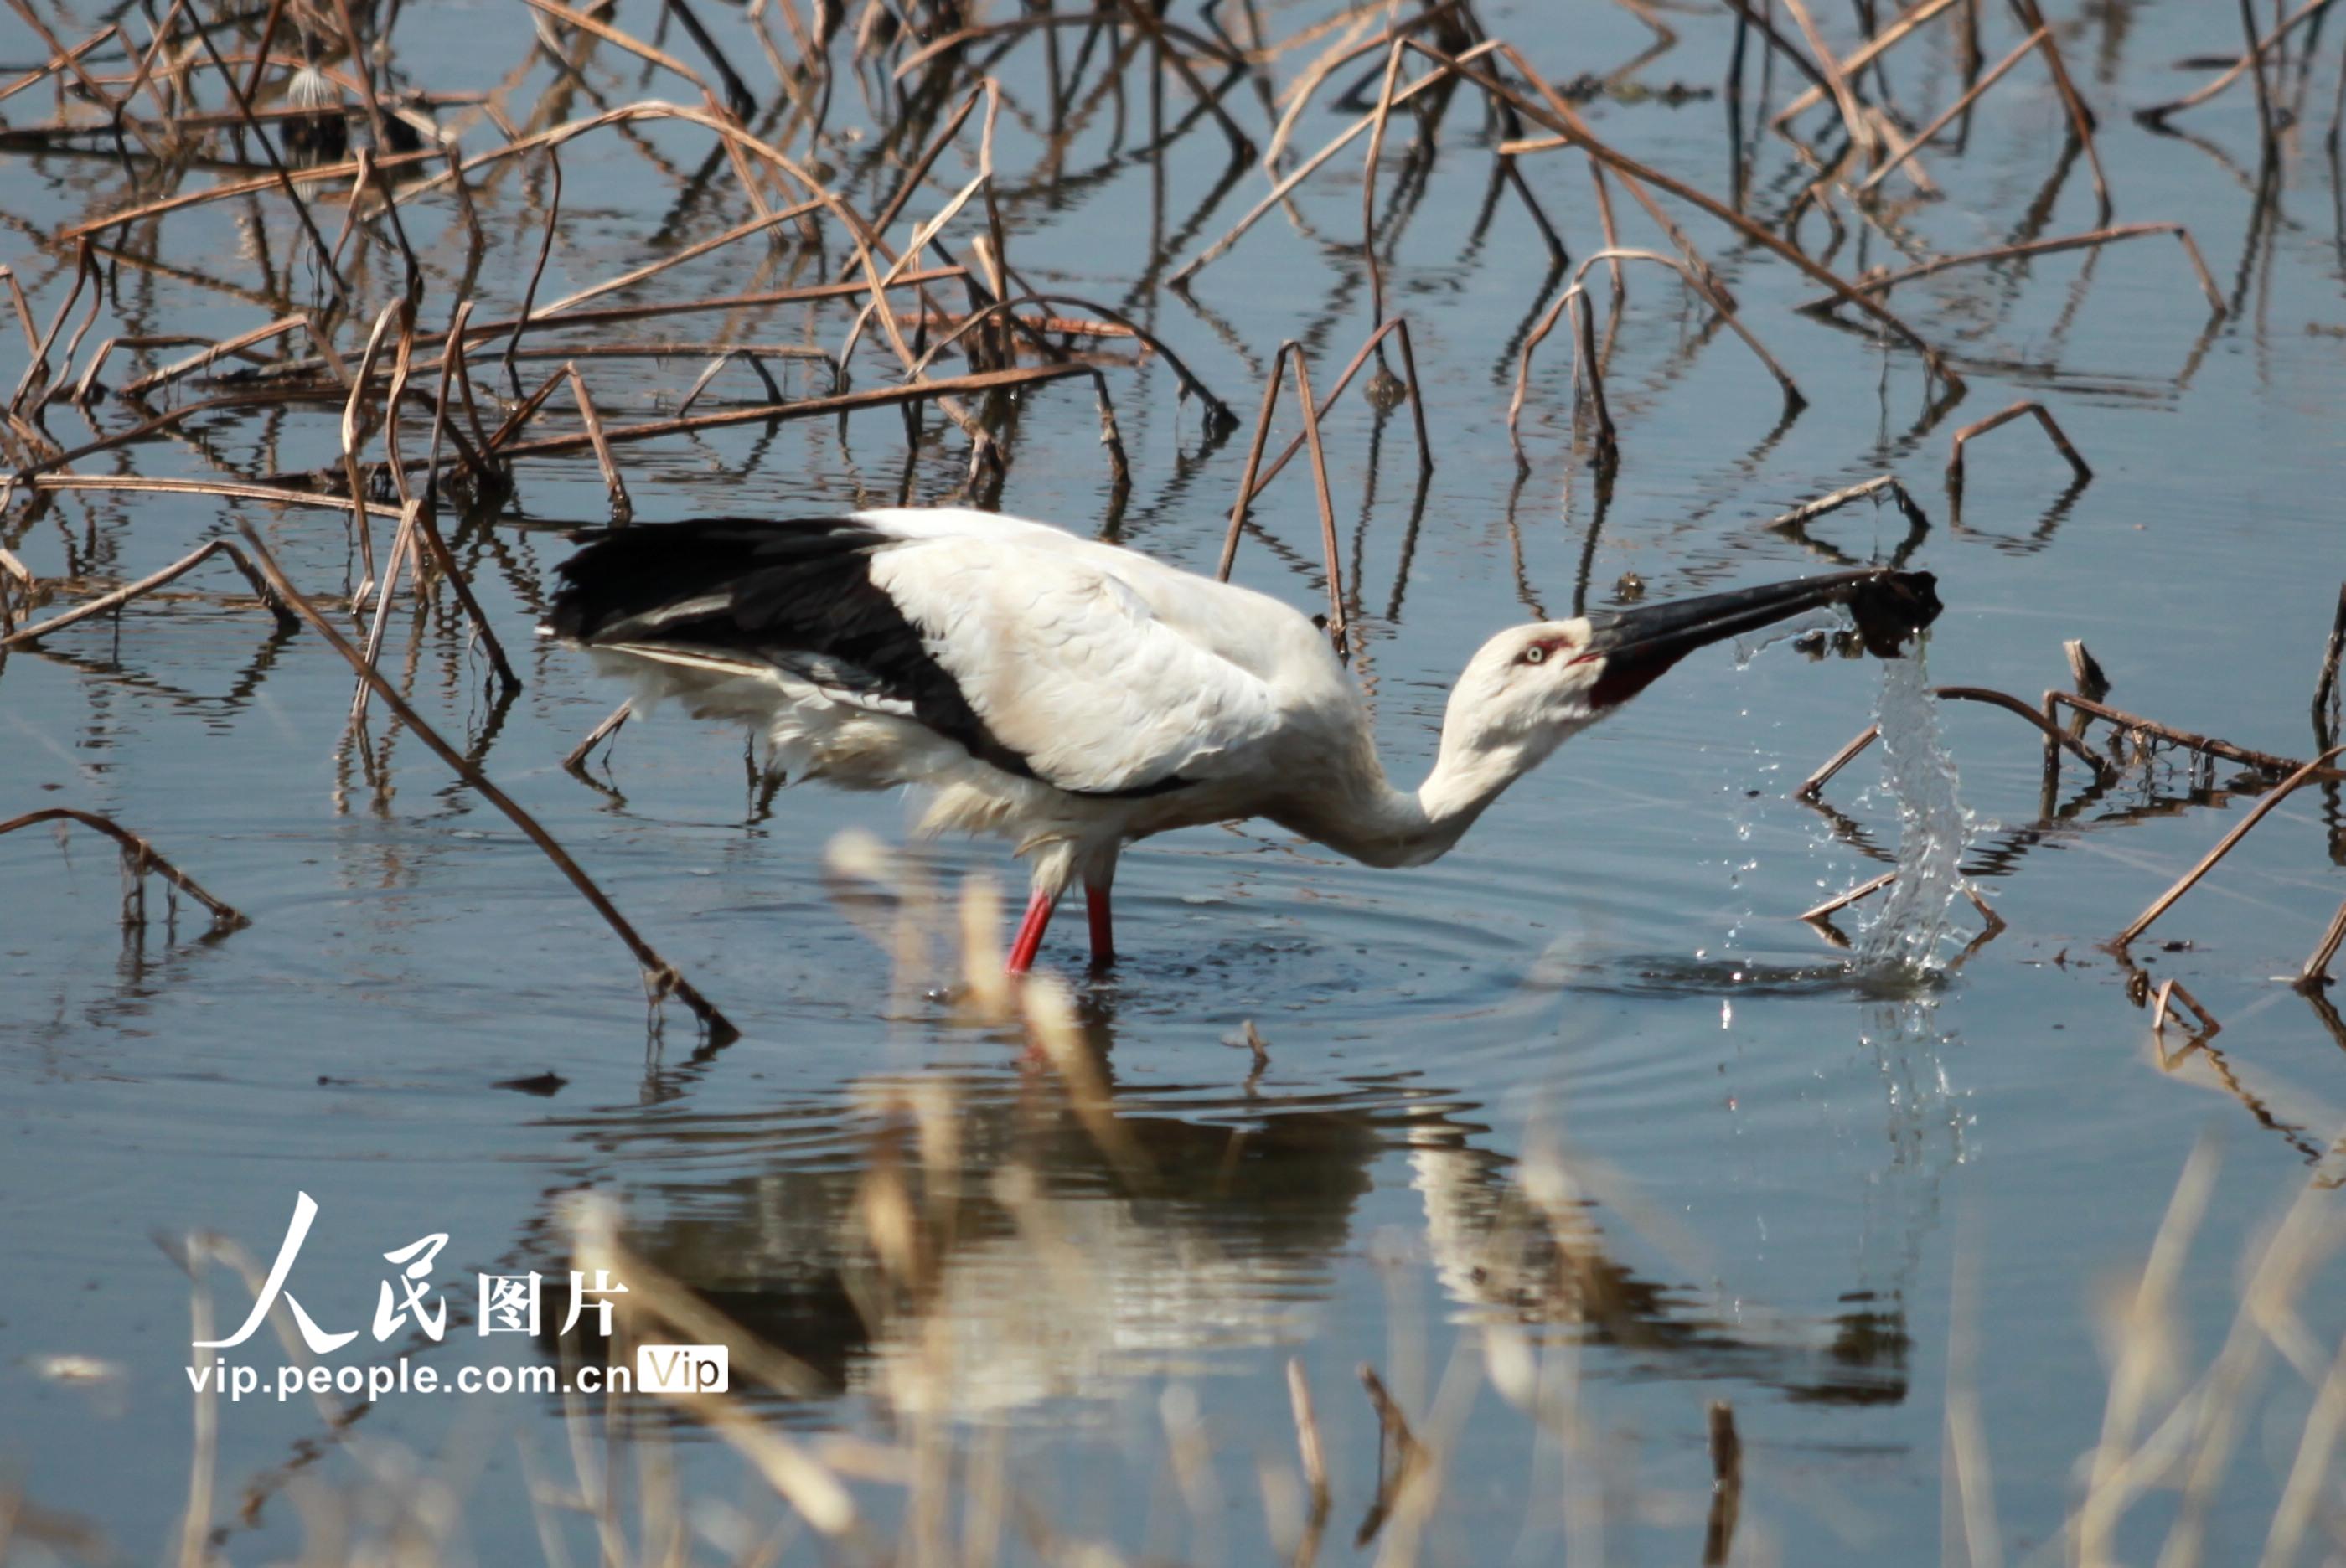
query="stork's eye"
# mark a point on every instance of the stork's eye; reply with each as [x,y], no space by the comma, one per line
[1535,654]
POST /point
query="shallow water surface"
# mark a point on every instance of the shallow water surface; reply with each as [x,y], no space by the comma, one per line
[1582,1107]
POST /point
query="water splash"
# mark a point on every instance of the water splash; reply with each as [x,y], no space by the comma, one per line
[1911,917]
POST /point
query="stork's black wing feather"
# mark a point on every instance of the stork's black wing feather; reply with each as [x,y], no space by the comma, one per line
[763,589]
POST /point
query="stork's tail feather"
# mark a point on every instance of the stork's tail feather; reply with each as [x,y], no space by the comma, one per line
[727,582]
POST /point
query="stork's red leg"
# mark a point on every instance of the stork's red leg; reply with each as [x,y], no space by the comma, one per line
[1030,932]
[1095,904]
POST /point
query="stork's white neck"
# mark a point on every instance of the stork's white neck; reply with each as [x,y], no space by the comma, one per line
[1365,818]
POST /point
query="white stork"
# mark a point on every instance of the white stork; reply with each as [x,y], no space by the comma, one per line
[1074,696]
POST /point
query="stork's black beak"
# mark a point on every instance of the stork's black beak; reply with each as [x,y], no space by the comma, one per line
[1638,645]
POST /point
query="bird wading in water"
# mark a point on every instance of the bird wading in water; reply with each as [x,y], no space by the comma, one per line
[1074,696]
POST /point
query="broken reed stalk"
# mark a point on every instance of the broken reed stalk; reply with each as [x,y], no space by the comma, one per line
[575,761]
[1881,484]
[280,176]
[1578,136]
[805,408]
[538,271]
[354,430]
[2166,901]
[1883,283]
[2053,433]
[178,568]
[2081,119]
[1812,787]
[140,858]
[1857,59]
[1842,901]
[1307,1434]
[1179,277]
[1395,326]
[2155,114]
[2327,685]
[1994,922]
[1726,1486]
[1292,352]
[1698,286]
[231,490]
[1952,112]
[2316,973]
[1218,413]
[2170,993]
[2264,762]
[616,487]
[661,978]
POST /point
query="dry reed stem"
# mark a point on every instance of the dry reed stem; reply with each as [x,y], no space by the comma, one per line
[805,408]
[1308,1446]
[661,978]
[1883,282]
[1952,112]
[2263,760]
[280,177]
[2085,670]
[1051,1025]
[134,391]
[2316,973]
[1857,59]
[1145,17]
[37,379]
[57,62]
[1576,126]
[2184,884]
[677,259]
[1395,326]
[2173,991]
[1695,281]
[318,174]
[622,509]
[1292,352]
[1726,1485]
[1299,91]
[139,857]
[1842,901]
[177,569]
[2141,1355]
[618,39]
[226,489]
[1112,320]
[537,271]
[1619,163]
[575,760]
[2081,119]
[1400,1456]
[1812,787]
[2053,433]
[1881,484]
[404,548]
[71,60]
[355,428]
[2326,684]
[2155,114]
[1854,124]
[1279,192]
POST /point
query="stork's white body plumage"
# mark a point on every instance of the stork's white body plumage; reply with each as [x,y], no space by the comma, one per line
[1075,695]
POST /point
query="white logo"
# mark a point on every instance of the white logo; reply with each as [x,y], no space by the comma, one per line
[682,1369]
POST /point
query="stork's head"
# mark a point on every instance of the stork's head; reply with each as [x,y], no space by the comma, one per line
[1531,687]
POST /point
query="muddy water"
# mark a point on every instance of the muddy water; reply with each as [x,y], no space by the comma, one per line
[1781,1153]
